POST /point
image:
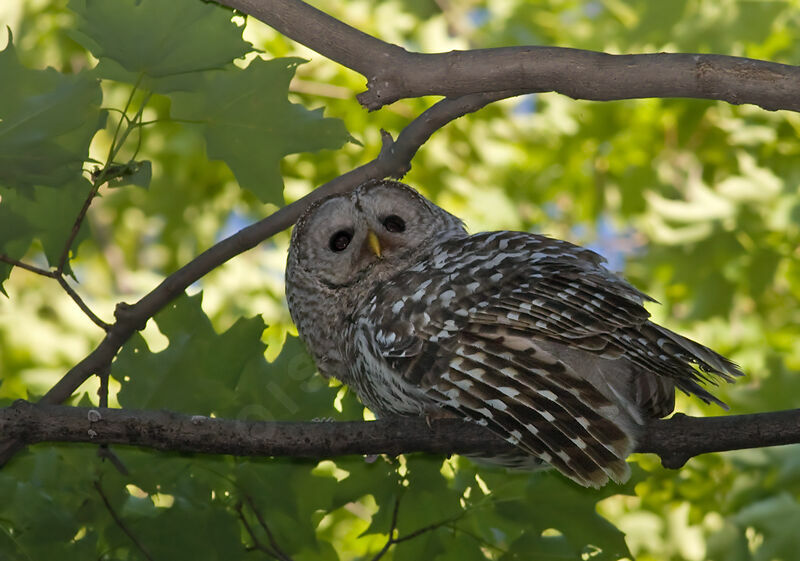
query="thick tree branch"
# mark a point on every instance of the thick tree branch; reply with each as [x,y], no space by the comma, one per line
[394,160]
[393,73]
[675,440]
[321,33]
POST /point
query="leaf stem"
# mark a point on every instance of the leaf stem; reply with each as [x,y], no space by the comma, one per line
[114,148]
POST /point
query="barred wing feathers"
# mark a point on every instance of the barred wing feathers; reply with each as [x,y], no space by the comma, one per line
[471,337]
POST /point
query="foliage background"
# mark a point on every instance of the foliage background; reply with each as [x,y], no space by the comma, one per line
[696,201]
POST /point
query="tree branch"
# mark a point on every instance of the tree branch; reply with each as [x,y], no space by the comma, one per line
[394,160]
[322,33]
[675,440]
[393,73]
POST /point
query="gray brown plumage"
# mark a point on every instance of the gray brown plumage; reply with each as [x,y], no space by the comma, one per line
[529,336]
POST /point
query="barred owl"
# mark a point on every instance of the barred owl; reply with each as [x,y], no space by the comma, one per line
[529,336]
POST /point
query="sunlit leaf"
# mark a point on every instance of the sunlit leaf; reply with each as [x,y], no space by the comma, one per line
[198,371]
[46,122]
[246,113]
[46,214]
[161,42]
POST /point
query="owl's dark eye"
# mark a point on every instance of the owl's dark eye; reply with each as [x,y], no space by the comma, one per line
[340,240]
[394,224]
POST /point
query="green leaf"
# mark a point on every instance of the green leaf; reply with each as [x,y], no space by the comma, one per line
[43,489]
[218,537]
[249,123]
[48,215]
[378,478]
[226,373]
[728,544]
[777,518]
[47,120]
[165,43]
[198,371]
[529,504]
[287,494]
[287,389]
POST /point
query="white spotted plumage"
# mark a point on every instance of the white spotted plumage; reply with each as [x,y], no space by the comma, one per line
[529,336]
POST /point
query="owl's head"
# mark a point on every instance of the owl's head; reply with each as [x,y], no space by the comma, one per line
[378,229]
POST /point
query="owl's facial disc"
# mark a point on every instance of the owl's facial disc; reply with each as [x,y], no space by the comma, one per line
[333,242]
[371,233]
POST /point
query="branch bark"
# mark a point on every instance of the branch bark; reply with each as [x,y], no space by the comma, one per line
[675,440]
[393,73]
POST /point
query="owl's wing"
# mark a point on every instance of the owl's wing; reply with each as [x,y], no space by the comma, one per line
[472,335]
[565,295]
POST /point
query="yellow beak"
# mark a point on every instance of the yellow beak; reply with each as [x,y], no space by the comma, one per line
[374,243]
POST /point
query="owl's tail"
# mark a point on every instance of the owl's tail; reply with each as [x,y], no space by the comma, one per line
[689,363]
[540,405]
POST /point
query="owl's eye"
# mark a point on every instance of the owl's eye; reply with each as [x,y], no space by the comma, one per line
[340,240]
[394,224]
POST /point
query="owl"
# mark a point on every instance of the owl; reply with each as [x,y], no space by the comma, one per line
[529,336]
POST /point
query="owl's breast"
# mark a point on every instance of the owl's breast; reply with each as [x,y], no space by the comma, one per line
[374,379]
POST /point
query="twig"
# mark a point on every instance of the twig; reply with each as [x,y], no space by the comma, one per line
[102,391]
[63,282]
[279,553]
[105,453]
[393,73]
[76,226]
[81,304]
[395,540]
[33,269]
[257,545]
[427,528]
[392,529]
[139,545]
[674,440]
[100,178]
